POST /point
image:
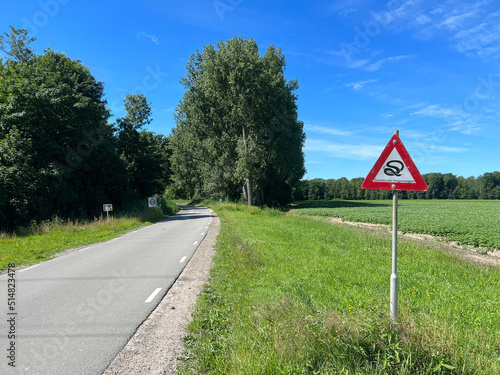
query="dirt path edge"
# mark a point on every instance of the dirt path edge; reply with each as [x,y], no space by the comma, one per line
[157,344]
[478,256]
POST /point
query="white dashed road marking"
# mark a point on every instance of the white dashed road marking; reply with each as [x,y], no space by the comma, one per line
[153,295]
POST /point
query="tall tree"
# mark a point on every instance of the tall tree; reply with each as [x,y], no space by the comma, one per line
[145,153]
[238,120]
[52,109]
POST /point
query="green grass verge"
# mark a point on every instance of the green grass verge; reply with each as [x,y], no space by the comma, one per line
[298,295]
[470,222]
[41,242]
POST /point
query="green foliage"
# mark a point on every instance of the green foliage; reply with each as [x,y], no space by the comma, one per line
[167,206]
[15,45]
[297,295]
[441,186]
[144,153]
[237,126]
[52,110]
[139,208]
[17,177]
[58,154]
[466,222]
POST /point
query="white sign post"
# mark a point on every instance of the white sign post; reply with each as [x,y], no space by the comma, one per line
[394,170]
[394,275]
[107,207]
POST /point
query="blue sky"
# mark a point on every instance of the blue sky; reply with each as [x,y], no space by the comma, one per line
[365,68]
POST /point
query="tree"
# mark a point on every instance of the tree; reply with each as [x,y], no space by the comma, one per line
[436,185]
[18,178]
[52,109]
[487,185]
[15,45]
[316,189]
[238,120]
[145,153]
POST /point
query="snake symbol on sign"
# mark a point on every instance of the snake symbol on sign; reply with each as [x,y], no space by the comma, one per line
[394,170]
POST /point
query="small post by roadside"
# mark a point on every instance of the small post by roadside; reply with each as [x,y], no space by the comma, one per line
[107,207]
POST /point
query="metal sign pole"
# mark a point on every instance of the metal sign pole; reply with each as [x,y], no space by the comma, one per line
[394,275]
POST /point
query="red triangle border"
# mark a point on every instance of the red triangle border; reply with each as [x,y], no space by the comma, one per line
[418,185]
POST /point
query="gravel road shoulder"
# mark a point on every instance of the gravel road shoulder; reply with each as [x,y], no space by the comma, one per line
[157,344]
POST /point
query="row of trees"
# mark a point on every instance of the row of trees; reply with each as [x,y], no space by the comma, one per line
[58,153]
[237,134]
[237,128]
[441,186]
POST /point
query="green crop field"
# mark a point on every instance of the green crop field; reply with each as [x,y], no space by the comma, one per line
[472,222]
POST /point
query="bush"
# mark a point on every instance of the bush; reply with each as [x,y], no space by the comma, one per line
[140,208]
[167,206]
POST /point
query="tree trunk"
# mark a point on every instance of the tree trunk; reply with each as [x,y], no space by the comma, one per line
[249,191]
[249,183]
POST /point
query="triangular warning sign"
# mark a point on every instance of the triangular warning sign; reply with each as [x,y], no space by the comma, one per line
[394,170]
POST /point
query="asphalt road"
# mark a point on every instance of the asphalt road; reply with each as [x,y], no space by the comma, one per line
[74,313]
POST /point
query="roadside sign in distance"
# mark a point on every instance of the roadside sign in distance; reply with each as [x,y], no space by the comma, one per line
[152,201]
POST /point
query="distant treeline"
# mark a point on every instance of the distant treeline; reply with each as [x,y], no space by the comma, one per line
[441,186]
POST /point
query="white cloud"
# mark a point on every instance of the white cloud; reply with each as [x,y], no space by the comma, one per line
[455,22]
[475,30]
[343,151]
[439,111]
[345,12]
[344,7]
[153,38]
[436,148]
[407,8]
[471,28]
[326,130]
[359,84]
[483,39]
[465,127]
[423,19]
[378,64]
[458,120]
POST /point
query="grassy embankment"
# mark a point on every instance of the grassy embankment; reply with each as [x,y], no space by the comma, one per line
[299,295]
[42,241]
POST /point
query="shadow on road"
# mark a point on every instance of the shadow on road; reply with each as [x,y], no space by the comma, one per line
[181,216]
